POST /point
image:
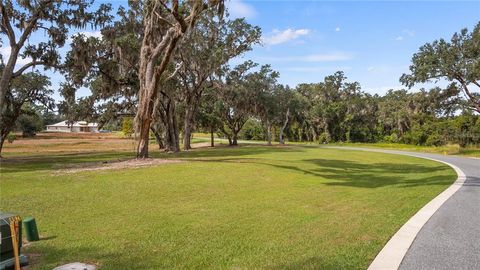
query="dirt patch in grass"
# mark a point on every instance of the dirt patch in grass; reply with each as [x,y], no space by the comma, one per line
[116,165]
[33,259]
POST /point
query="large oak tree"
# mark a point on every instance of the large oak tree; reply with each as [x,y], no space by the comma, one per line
[165,22]
[203,51]
[457,61]
[20,20]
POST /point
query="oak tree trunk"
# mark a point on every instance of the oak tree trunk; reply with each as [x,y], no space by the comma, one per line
[234,139]
[269,133]
[212,138]
[147,96]
[187,128]
[154,59]
[172,128]
[158,138]
[7,124]
[190,111]
[2,140]
[284,126]
[7,75]
[6,128]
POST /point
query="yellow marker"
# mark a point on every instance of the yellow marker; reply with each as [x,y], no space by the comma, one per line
[14,229]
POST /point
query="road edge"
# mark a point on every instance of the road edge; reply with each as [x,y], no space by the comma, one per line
[392,254]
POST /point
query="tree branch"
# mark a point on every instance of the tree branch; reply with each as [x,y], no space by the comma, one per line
[33,21]
[22,69]
[6,26]
[473,99]
[32,64]
[164,43]
[174,72]
[166,57]
[476,83]
[174,12]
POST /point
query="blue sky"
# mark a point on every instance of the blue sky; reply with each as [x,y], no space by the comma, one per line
[371,41]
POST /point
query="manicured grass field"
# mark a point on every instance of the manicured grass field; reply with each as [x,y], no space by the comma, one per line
[249,207]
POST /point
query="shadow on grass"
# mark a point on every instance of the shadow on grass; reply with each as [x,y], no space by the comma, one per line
[237,151]
[46,238]
[53,161]
[57,161]
[354,174]
[336,172]
[357,174]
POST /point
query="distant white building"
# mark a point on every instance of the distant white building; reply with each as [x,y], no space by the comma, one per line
[80,126]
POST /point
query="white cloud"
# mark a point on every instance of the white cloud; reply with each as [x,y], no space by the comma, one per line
[96,34]
[5,52]
[337,29]
[87,34]
[239,9]
[399,38]
[279,37]
[326,57]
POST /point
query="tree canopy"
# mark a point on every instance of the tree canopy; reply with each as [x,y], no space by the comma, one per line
[25,91]
[56,18]
[167,68]
[457,61]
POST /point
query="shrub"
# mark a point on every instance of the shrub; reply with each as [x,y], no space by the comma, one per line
[252,130]
[393,138]
[324,138]
[30,124]
[434,140]
[11,137]
[127,126]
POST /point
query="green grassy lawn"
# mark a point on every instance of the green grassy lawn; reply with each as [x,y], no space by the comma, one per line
[248,207]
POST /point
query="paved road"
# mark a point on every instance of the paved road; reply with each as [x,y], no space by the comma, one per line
[451,237]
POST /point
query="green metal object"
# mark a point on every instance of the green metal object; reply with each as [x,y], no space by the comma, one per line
[31,230]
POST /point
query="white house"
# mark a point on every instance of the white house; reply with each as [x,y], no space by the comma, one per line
[80,126]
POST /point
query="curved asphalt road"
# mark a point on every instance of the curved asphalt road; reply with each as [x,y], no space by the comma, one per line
[451,237]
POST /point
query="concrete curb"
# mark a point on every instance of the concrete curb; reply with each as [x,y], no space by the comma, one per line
[392,254]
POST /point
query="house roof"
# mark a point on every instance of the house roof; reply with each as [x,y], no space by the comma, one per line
[74,124]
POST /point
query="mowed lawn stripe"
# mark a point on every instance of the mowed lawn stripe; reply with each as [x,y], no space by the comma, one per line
[247,207]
